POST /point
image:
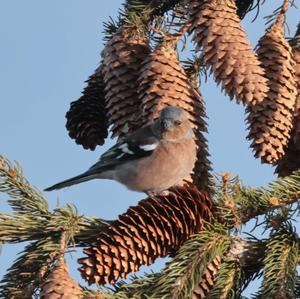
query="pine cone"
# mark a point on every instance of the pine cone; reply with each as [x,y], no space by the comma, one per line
[290,161]
[154,228]
[163,82]
[122,58]
[86,118]
[296,52]
[207,280]
[59,285]
[226,49]
[270,121]
[201,176]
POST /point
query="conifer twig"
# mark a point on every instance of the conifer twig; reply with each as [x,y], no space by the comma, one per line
[279,279]
[189,264]
[252,202]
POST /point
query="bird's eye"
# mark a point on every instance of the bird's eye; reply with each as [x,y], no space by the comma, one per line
[177,122]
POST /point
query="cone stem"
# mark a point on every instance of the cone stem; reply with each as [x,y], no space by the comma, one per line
[284,8]
[62,247]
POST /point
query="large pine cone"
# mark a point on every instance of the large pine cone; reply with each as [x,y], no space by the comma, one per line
[291,159]
[86,118]
[226,49]
[270,121]
[122,59]
[59,284]
[163,82]
[154,228]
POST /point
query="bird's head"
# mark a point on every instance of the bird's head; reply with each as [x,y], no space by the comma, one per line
[173,123]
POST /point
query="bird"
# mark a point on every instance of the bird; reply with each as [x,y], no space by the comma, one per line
[152,159]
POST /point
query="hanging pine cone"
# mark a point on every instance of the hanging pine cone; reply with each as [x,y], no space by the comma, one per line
[86,118]
[154,228]
[296,52]
[201,175]
[270,121]
[207,280]
[122,58]
[163,82]
[290,161]
[226,49]
[59,284]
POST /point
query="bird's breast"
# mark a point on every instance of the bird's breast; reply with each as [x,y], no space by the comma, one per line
[167,166]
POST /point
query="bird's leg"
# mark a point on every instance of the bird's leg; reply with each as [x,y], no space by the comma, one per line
[168,193]
[164,193]
[150,194]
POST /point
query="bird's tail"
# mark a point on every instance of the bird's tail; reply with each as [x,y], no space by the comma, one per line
[86,176]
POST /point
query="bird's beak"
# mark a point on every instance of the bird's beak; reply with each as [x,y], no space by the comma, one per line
[166,124]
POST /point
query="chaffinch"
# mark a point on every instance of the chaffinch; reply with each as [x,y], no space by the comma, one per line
[152,159]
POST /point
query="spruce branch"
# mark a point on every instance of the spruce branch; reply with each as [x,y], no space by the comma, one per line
[224,286]
[279,277]
[195,67]
[297,287]
[239,204]
[159,226]
[24,198]
[21,280]
[185,271]
[162,6]
[39,255]
[110,27]
[136,288]
[249,255]
[134,15]
[241,264]
[32,221]
[137,20]
[208,278]
[16,228]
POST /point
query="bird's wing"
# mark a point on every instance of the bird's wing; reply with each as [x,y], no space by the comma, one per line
[139,145]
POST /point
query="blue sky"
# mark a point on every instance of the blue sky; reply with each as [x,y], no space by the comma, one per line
[48,50]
